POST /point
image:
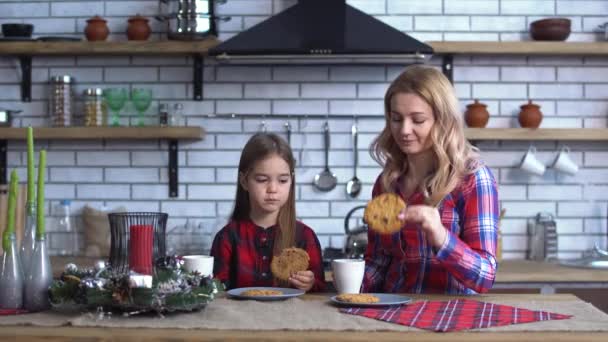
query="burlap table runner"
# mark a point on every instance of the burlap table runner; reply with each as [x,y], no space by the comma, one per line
[303,314]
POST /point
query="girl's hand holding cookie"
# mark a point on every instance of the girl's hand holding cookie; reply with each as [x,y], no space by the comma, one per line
[303,280]
[430,221]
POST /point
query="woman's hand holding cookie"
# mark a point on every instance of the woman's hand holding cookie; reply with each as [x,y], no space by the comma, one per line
[303,280]
[429,220]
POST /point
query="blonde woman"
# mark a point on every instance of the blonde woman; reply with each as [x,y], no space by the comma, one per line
[448,240]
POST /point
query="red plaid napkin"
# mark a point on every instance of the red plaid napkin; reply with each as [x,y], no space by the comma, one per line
[454,315]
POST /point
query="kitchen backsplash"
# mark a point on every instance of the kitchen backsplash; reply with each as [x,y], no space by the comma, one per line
[571,90]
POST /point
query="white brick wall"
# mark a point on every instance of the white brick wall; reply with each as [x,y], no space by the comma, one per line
[571,91]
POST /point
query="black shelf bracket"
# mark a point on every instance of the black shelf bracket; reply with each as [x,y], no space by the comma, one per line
[199,66]
[173,184]
[3,167]
[447,66]
[26,78]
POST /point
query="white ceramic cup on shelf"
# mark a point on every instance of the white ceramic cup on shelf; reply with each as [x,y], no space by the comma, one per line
[564,163]
[202,264]
[531,164]
[348,274]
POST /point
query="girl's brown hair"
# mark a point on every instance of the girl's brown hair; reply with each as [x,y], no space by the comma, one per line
[261,146]
[454,156]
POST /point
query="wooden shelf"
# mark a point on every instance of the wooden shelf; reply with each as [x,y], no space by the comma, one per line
[561,134]
[89,133]
[198,133]
[172,134]
[521,48]
[26,50]
[171,47]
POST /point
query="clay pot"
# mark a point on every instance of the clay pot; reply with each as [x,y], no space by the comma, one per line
[476,115]
[556,29]
[96,29]
[138,28]
[530,115]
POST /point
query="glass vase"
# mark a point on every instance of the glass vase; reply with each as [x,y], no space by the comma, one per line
[36,294]
[29,237]
[11,278]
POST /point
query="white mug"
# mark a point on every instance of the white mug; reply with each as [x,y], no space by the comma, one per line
[348,274]
[202,264]
[564,163]
[531,164]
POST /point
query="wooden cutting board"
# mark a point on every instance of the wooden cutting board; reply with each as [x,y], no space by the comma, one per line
[19,212]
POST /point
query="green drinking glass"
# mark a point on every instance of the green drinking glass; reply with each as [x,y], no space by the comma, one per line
[115,99]
[141,98]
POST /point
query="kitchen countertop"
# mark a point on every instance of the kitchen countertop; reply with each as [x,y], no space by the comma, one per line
[581,329]
[509,271]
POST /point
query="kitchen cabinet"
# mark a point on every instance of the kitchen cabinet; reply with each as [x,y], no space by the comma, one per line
[172,134]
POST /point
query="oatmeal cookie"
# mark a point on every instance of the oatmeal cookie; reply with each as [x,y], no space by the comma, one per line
[360,298]
[260,292]
[291,260]
[381,213]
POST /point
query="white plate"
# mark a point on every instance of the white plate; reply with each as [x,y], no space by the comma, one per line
[386,299]
[287,293]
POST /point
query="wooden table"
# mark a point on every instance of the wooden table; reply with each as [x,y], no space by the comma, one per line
[121,334]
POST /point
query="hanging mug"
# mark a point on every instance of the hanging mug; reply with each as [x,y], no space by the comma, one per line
[564,163]
[531,164]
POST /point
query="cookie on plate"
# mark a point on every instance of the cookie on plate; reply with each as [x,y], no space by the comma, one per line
[358,298]
[261,292]
[291,260]
[381,213]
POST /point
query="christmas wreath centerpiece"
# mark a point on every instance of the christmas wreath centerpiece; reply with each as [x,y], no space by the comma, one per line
[170,289]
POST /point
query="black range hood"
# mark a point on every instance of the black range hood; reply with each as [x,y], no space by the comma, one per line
[322,31]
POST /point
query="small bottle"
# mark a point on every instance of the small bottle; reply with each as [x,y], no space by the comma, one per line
[66,226]
[95,110]
[61,99]
[177,116]
[163,115]
[499,245]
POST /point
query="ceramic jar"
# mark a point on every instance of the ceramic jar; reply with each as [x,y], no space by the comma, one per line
[530,115]
[476,115]
[96,29]
[138,28]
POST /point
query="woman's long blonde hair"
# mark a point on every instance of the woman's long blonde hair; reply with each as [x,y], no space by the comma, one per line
[453,155]
[259,147]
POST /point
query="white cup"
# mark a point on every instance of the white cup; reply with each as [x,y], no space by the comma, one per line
[202,264]
[348,274]
[531,164]
[564,163]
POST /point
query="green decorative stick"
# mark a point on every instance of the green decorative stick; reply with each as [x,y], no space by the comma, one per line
[30,166]
[40,196]
[12,204]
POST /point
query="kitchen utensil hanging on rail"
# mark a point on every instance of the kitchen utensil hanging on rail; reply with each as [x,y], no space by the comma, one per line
[353,187]
[326,180]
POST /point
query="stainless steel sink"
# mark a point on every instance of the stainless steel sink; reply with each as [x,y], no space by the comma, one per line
[597,259]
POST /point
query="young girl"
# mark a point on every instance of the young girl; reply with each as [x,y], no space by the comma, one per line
[448,240]
[263,222]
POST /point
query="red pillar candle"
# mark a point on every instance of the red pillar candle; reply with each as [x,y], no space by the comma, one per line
[141,244]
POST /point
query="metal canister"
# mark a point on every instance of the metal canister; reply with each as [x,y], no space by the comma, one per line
[61,101]
[95,109]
